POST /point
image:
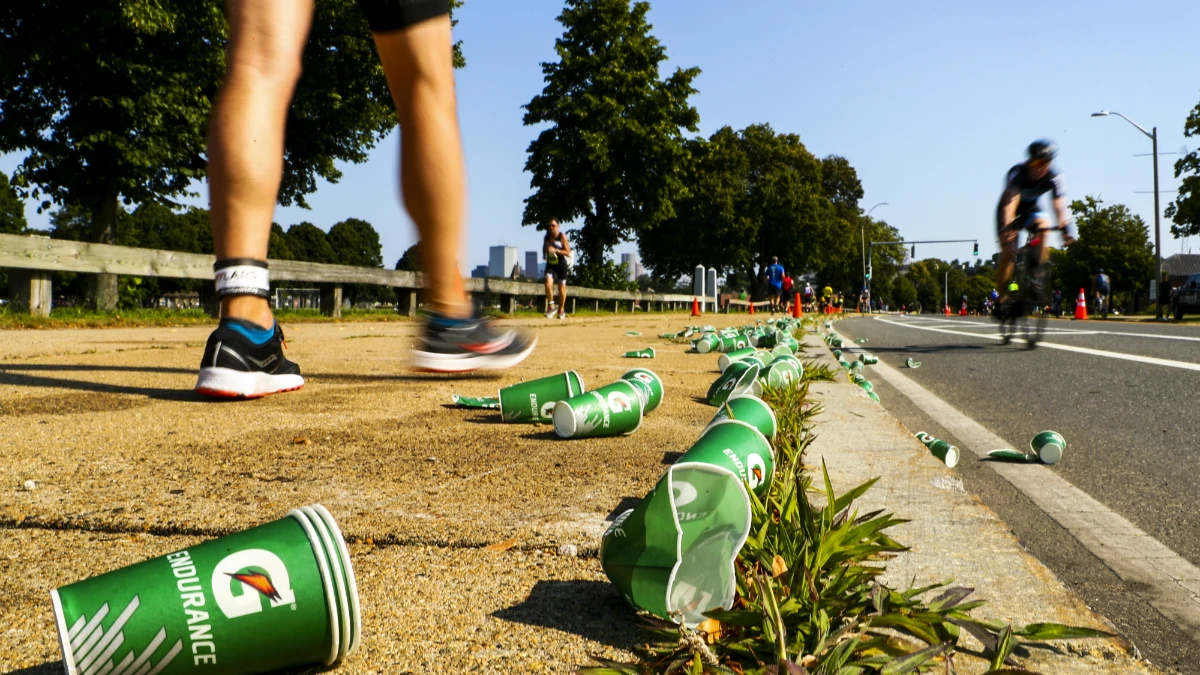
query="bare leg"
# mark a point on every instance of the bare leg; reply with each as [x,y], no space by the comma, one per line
[420,74]
[549,292]
[245,137]
[1004,269]
[562,298]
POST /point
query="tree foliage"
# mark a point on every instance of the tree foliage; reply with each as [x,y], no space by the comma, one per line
[1112,238]
[755,193]
[612,152]
[12,209]
[1185,210]
[309,243]
[410,260]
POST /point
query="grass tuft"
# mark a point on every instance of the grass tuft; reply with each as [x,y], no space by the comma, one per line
[809,599]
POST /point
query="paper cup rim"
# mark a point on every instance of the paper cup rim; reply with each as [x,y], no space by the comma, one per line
[1054,456]
[326,581]
[711,468]
[952,457]
[60,621]
[569,413]
[339,578]
[348,569]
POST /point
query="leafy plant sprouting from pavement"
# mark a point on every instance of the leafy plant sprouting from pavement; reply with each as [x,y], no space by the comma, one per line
[809,598]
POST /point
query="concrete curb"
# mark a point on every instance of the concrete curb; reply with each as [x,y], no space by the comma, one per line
[953,536]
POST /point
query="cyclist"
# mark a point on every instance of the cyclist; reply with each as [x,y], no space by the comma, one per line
[1101,291]
[1018,208]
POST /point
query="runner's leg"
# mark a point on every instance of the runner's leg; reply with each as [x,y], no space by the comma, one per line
[245,136]
[420,74]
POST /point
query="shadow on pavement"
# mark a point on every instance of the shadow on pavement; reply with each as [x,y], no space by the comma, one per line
[47,668]
[75,367]
[590,609]
[670,458]
[624,505]
[335,378]
[156,393]
[934,349]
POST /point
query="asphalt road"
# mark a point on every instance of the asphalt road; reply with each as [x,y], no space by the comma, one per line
[1127,399]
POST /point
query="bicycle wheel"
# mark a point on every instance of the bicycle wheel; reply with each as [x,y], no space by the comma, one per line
[1036,296]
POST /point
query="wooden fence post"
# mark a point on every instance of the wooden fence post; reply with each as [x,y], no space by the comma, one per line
[331,300]
[31,290]
[407,302]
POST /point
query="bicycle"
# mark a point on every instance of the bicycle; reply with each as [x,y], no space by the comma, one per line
[1024,312]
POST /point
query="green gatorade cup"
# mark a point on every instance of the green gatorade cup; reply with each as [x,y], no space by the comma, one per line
[708,343]
[845,364]
[779,374]
[1049,446]
[761,357]
[611,410]
[738,446]
[533,401]
[737,378]
[653,387]
[868,359]
[797,363]
[278,596]
[874,396]
[949,454]
[724,360]
[866,385]
[647,353]
[782,349]
[675,550]
[750,409]
[481,403]
[837,354]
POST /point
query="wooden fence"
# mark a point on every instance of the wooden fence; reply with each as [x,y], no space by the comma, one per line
[31,260]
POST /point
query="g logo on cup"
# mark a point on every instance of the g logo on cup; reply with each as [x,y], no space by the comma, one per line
[548,409]
[241,569]
[644,378]
[618,402]
[756,470]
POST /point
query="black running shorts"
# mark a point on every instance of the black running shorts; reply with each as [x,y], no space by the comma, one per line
[388,15]
[559,271]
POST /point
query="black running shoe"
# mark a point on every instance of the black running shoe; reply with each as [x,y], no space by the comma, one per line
[235,367]
[471,344]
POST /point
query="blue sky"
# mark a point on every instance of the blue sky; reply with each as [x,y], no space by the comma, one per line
[930,101]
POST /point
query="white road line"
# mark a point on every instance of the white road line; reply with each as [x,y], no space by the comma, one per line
[1169,582]
[1071,331]
[1184,365]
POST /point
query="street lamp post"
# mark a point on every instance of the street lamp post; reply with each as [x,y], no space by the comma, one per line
[1153,136]
[863,232]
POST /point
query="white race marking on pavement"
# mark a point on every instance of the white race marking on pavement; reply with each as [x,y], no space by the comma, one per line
[1067,331]
[1170,583]
[1066,348]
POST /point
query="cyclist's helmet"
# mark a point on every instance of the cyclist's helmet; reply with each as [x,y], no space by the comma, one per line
[1043,150]
[1100,270]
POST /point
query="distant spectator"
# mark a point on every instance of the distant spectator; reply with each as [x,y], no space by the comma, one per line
[774,277]
[788,292]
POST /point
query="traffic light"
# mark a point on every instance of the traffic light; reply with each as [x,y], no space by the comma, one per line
[869,273]
[914,252]
[976,248]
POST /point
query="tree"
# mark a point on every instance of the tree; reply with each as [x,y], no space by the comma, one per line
[410,260]
[277,245]
[309,243]
[114,103]
[612,152]
[356,243]
[752,194]
[12,209]
[1185,210]
[1112,238]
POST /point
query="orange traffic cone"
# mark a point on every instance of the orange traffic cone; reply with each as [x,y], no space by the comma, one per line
[695,307]
[1081,307]
[797,311]
[751,306]
[946,310]
[962,311]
